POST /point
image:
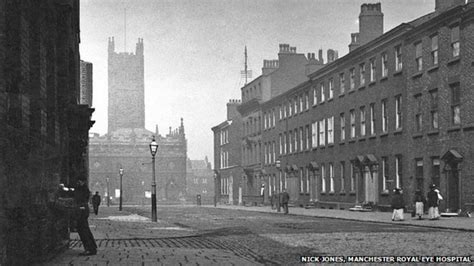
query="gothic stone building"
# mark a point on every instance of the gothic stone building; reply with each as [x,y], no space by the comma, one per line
[126,144]
[397,111]
[43,126]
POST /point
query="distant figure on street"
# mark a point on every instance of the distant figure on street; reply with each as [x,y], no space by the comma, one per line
[273,199]
[398,204]
[285,198]
[419,204]
[81,197]
[96,202]
[433,203]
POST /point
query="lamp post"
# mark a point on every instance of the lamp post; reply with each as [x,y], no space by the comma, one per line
[121,175]
[153,149]
[278,167]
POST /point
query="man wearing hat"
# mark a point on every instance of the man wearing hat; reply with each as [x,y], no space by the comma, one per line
[81,196]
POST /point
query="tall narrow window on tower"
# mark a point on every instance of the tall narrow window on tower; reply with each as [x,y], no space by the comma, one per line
[418,56]
[434,49]
[455,46]
[456,103]
[384,60]
[398,58]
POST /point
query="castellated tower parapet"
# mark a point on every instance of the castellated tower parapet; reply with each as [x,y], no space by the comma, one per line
[126,88]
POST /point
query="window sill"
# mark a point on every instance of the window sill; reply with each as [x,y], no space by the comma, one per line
[352,140]
[342,142]
[332,193]
[433,132]
[417,75]
[322,102]
[352,193]
[342,193]
[330,145]
[330,99]
[417,135]
[398,131]
[398,72]
[373,136]
[385,193]
[351,91]
[454,128]
[361,87]
[468,127]
[433,68]
[384,134]
[361,138]
[323,192]
[322,147]
[454,60]
[384,78]
[341,95]
[372,83]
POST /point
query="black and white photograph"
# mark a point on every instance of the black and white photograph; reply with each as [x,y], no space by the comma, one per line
[236,132]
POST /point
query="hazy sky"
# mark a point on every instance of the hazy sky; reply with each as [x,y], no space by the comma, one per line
[194,49]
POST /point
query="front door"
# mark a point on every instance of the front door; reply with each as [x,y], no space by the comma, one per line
[452,200]
[370,180]
[231,190]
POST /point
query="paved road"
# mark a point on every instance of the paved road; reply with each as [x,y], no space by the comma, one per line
[188,235]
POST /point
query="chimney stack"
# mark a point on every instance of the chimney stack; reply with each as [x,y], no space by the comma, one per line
[370,22]
[232,108]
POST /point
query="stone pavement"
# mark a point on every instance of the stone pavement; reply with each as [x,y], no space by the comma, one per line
[457,223]
[124,238]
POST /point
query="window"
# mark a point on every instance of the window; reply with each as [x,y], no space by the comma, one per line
[384,116]
[302,144]
[296,105]
[456,103]
[280,112]
[314,130]
[353,125]
[372,70]
[455,46]
[265,148]
[384,174]
[362,74]
[307,180]
[398,112]
[384,65]
[398,171]
[352,78]
[296,139]
[321,91]
[331,178]
[281,145]
[330,130]
[273,118]
[323,179]
[342,120]
[290,142]
[290,108]
[342,83]
[434,109]
[308,138]
[418,56]
[372,119]
[301,103]
[322,132]
[398,58]
[284,110]
[342,172]
[435,171]
[419,173]
[331,88]
[306,100]
[273,152]
[362,121]
[418,114]
[352,177]
[315,97]
[265,121]
[434,49]
[284,143]
[301,180]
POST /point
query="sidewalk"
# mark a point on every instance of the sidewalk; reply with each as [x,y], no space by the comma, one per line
[457,223]
[124,238]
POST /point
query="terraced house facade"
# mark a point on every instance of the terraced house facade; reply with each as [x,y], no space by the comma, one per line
[397,111]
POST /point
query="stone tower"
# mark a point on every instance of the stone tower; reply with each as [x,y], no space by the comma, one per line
[126,88]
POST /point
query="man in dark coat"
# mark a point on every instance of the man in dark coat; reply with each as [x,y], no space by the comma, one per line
[81,197]
[96,202]
[398,204]
[285,198]
[433,203]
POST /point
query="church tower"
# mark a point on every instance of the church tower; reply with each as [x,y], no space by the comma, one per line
[126,88]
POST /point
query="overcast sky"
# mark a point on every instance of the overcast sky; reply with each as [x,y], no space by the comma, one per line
[194,49]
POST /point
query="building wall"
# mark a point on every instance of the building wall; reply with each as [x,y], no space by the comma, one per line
[43,129]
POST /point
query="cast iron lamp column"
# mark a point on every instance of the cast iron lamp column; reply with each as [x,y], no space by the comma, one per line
[121,175]
[153,149]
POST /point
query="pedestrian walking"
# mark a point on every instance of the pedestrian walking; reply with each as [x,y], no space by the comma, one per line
[96,202]
[398,204]
[81,197]
[433,203]
[419,204]
[285,198]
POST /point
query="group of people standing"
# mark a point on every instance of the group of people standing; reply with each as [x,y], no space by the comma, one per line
[280,200]
[432,201]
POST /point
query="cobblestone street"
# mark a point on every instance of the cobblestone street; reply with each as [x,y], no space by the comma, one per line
[189,235]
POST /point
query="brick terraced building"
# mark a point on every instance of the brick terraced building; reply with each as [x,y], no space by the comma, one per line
[397,111]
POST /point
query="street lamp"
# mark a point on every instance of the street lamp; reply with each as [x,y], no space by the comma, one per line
[121,175]
[153,149]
